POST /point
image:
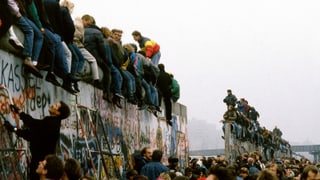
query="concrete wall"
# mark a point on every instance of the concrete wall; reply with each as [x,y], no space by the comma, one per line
[120,132]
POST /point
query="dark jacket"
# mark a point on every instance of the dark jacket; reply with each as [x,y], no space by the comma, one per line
[42,12]
[52,9]
[6,17]
[230,100]
[44,134]
[139,162]
[94,43]
[68,29]
[164,84]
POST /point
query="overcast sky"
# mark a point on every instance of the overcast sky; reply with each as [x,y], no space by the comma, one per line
[267,52]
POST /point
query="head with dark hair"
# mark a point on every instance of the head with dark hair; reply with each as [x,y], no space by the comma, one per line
[64,110]
[146,153]
[135,47]
[143,53]
[220,173]
[161,67]
[72,168]
[51,167]
[140,177]
[136,33]
[131,173]
[157,155]
[137,36]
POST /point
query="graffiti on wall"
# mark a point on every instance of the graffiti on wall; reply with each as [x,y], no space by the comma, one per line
[104,138]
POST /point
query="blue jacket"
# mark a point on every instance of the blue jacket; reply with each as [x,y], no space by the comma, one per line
[153,169]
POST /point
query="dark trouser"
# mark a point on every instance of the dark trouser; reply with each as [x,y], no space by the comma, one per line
[167,103]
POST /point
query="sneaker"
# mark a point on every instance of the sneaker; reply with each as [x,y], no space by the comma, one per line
[119,95]
[31,68]
[51,78]
[68,87]
[16,43]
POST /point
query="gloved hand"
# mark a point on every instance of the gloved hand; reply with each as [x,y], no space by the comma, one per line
[8,126]
[14,108]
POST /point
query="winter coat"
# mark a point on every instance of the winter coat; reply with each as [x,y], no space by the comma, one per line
[230,100]
[149,46]
[164,84]
[175,90]
[94,43]
[67,32]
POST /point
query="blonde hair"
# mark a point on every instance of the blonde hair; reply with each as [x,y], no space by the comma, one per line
[68,4]
[129,48]
[164,176]
[106,32]
[89,19]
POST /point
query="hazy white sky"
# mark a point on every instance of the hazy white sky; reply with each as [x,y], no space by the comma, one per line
[265,51]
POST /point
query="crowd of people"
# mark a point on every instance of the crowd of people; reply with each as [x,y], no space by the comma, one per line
[55,43]
[247,166]
[245,126]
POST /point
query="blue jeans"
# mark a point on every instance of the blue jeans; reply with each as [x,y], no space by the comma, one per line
[131,84]
[147,89]
[77,59]
[27,30]
[116,80]
[37,41]
[156,58]
[115,72]
[59,58]
[154,95]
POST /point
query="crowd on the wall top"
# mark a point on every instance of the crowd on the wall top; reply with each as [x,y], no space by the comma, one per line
[246,127]
[55,43]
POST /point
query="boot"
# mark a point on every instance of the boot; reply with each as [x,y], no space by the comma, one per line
[68,87]
[51,78]
[76,87]
[31,68]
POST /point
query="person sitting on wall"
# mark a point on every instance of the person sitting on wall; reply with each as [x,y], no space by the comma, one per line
[230,116]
